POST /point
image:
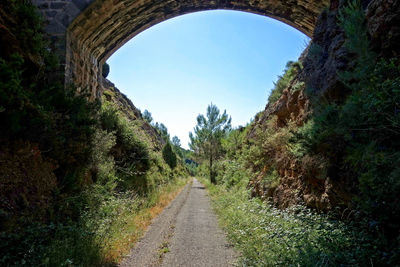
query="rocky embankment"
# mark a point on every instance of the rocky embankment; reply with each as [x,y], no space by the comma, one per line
[126,107]
[306,180]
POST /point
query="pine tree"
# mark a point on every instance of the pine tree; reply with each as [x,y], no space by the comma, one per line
[206,141]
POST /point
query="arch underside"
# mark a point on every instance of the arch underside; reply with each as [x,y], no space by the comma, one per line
[105,25]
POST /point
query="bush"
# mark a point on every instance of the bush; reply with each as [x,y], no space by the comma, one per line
[359,139]
[70,172]
[105,70]
[266,236]
[102,162]
[269,147]
[131,155]
[291,70]
[169,155]
[39,110]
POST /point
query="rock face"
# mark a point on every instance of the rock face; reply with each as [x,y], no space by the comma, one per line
[27,181]
[306,180]
[86,32]
[384,26]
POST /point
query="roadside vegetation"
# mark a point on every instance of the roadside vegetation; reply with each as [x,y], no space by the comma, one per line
[353,139]
[297,236]
[79,180]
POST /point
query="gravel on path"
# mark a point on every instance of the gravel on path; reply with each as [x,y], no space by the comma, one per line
[198,240]
[147,250]
[186,233]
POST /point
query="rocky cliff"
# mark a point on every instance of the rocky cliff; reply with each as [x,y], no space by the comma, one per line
[307,180]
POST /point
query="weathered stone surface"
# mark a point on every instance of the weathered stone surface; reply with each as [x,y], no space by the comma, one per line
[94,29]
[308,180]
[384,26]
[326,57]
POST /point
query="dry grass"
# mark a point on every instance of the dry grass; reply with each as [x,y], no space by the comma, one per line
[133,226]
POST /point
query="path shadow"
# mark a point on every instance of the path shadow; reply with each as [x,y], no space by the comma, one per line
[199,187]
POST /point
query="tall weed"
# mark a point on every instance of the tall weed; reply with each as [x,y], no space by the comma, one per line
[266,236]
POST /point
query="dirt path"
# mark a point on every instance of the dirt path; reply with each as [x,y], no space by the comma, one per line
[186,233]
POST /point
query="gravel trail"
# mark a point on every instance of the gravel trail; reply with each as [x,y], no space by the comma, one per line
[186,233]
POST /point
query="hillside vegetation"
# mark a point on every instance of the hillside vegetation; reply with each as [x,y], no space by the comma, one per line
[314,180]
[79,180]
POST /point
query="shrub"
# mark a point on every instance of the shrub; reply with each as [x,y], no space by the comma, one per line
[169,155]
[291,70]
[269,147]
[360,138]
[131,154]
[102,162]
[70,172]
[105,70]
[266,236]
[38,109]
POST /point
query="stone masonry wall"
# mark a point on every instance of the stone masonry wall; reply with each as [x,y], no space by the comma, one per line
[86,32]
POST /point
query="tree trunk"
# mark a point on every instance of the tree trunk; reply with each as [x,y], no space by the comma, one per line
[212,178]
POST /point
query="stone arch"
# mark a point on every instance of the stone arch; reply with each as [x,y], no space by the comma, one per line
[87,32]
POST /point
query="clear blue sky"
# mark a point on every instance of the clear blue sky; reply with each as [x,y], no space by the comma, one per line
[178,67]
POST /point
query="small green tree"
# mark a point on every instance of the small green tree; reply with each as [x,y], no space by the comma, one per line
[147,116]
[169,155]
[105,70]
[206,141]
[176,141]
[162,130]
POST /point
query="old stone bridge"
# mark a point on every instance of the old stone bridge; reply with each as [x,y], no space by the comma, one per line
[86,32]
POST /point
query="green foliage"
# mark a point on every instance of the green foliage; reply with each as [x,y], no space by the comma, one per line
[147,116]
[169,155]
[291,70]
[105,70]
[162,130]
[360,138]
[99,166]
[102,162]
[28,27]
[40,110]
[234,173]
[48,245]
[298,86]
[266,236]
[131,155]
[352,19]
[230,167]
[314,52]
[233,142]
[12,93]
[176,142]
[269,146]
[208,133]
[191,167]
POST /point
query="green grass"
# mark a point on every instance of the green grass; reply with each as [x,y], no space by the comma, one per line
[266,236]
[100,238]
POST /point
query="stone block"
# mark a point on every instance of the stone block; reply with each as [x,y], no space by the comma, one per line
[57,5]
[50,14]
[54,27]
[81,4]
